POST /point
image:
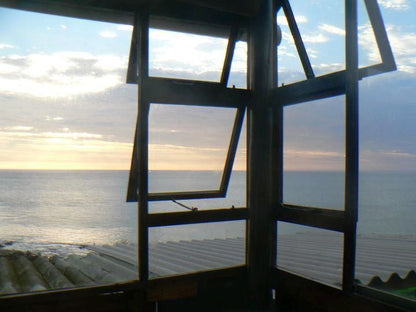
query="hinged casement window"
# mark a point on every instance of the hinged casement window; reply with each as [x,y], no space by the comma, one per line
[330,85]
[186,93]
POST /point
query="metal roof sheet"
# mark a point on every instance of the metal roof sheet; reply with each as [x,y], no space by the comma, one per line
[310,254]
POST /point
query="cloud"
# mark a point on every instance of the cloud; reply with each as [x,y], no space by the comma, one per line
[169,156]
[108,34]
[60,75]
[332,29]
[6,46]
[64,26]
[315,38]
[300,19]
[19,128]
[186,53]
[401,5]
[124,27]
[26,150]
[403,45]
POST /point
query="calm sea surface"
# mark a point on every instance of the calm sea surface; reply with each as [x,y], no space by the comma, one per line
[56,211]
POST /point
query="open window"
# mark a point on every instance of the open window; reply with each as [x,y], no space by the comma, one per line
[183,96]
[316,89]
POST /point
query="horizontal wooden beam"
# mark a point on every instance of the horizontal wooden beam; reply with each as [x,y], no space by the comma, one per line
[183,195]
[173,15]
[309,90]
[298,293]
[323,86]
[160,288]
[196,93]
[388,297]
[202,216]
[327,219]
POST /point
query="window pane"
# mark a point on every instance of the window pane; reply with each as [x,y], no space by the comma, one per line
[387,216]
[238,73]
[321,25]
[311,252]
[186,56]
[199,247]
[65,151]
[314,153]
[188,146]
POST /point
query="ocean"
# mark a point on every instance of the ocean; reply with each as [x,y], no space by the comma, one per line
[57,211]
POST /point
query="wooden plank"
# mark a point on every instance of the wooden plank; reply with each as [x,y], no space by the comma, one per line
[131,77]
[297,293]
[232,150]
[327,219]
[173,15]
[261,226]
[176,290]
[196,93]
[226,69]
[203,216]
[142,143]
[351,144]
[185,195]
[276,147]
[380,33]
[309,90]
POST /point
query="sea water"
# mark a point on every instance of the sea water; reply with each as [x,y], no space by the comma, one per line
[57,211]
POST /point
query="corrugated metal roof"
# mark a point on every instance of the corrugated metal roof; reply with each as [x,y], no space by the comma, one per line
[315,255]
[26,272]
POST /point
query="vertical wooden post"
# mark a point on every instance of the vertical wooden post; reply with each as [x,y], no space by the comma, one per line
[261,227]
[142,138]
[351,144]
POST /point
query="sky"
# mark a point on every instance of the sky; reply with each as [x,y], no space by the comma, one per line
[65,104]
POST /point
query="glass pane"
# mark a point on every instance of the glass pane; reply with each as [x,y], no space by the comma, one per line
[314,153]
[386,245]
[238,73]
[190,180]
[188,146]
[368,50]
[288,63]
[322,28]
[314,253]
[198,247]
[186,56]
[65,150]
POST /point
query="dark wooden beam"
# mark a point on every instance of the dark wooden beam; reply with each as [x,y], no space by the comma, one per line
[172,15]
[232,150]
[298,293]
[141,145]
[380,33]
[132,67]
[185,195]
[226,69]
[303,55]
[202,216]
[327,219]
[261,226]
[351,144]
[196,93]
[309,90]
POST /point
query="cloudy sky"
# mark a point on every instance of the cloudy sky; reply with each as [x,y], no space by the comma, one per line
[65,104]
